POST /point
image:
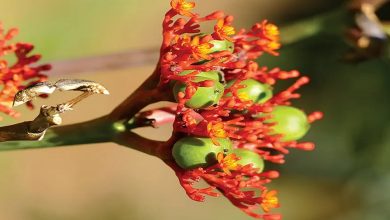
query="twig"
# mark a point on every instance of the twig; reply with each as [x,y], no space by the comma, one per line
[95,131]
[33,130]
[113,61]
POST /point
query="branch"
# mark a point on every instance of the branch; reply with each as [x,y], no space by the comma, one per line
[33,130]
[100,130]
[120,60]
[94,131]
[134,141]
[48,115]
[149,92]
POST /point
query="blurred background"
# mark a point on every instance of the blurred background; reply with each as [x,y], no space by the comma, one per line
[347,177]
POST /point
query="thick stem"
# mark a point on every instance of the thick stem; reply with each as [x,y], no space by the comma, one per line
[146,94]
[94,131]
[139,143]
[98,130]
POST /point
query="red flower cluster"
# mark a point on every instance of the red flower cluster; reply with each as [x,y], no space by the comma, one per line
[16,74]
[186,56]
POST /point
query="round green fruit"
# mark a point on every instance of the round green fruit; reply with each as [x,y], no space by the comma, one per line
[214,75]
[291,122]
[192,152]
[255,91]
[221,45]
[249,157]
[204,96]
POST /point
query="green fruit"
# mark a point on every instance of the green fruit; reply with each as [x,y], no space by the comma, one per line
[291,122]
[214,75]
[192,152]
[204,96]
[249,157]
[221,45]
[254,91]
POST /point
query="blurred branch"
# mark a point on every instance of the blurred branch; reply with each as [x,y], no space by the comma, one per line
[121,60]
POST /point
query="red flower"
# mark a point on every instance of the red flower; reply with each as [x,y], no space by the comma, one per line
[18,75]
[216,129]
[269,36]
[227,163]
[223,31]
[270,200]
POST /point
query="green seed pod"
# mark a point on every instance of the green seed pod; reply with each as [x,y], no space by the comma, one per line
[204,96]
[254,91]
[192,152]
[249,157]
[291,122]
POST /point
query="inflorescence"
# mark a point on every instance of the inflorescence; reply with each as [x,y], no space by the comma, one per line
[227,118]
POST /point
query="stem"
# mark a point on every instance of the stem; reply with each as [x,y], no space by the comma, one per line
[94,131]
[146,94]
[98,130]
[139,143]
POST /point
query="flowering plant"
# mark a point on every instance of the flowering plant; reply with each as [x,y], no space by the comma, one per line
[242,110]
[227,119]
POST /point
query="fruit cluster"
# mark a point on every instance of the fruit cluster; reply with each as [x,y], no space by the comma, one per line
[19,74]
[228,118]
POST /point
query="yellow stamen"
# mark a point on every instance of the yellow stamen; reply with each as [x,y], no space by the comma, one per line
[270,200]
[217,130]
[273,45]
[187,6]
[228,30]
[183,7]
[228,162]
[272,31]
[243,96]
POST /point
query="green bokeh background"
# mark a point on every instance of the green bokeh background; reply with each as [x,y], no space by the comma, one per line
[347,177]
